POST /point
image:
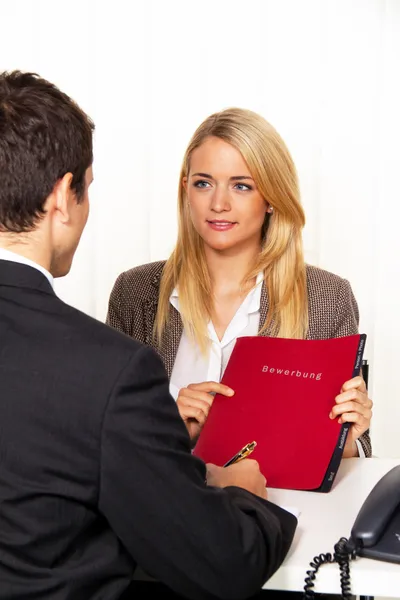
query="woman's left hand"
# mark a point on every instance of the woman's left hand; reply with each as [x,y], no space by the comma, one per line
[353,406]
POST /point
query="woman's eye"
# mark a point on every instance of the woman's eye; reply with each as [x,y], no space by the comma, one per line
[200,183]
[243,187]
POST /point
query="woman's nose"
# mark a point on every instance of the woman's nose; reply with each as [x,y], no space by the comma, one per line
[220,200]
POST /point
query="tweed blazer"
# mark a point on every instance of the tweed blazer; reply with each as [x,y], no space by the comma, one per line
[132,308]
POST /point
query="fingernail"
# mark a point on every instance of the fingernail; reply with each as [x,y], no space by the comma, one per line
[331,415]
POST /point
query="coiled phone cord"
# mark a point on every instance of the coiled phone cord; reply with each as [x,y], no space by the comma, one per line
[344,551]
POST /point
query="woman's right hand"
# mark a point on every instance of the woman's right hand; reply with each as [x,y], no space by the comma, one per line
[194,403]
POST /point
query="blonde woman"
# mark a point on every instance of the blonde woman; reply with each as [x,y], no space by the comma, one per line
[237,269]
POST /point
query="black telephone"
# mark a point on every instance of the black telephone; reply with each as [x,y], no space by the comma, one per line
[376,530]
[375,533]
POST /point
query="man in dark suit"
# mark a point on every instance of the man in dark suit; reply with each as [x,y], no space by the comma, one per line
[96,471]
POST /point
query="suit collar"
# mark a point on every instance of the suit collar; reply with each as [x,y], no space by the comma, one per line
[6,254]
[15,274]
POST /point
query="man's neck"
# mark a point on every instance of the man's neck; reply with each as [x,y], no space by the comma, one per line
[27,245]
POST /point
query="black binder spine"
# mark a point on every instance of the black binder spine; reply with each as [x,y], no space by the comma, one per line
[338,451]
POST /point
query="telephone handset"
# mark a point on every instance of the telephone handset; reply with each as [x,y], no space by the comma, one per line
[376,530]
[375,533]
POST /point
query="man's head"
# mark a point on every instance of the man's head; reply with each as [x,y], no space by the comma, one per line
[46,155]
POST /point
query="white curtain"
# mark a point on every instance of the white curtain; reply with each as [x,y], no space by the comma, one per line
[325,73]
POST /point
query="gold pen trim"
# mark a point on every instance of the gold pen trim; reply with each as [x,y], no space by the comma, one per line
[243,453]
[248,449]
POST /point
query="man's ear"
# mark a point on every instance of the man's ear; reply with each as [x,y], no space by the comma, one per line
[63,197]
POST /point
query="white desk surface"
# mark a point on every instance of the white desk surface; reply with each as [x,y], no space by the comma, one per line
[323,520]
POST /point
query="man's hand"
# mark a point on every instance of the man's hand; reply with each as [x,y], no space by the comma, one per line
[245,474]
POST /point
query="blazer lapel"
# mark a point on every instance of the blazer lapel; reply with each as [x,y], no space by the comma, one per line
[264,307]
[171,339]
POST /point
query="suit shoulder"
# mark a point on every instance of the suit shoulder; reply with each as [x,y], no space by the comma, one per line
[101,352]
[148,271]
[141,282]
[333,309]
[92,331]
[320,282]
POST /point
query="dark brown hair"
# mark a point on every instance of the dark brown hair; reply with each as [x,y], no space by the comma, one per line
[44,134]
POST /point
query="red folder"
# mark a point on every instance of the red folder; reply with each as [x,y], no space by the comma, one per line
[284,392]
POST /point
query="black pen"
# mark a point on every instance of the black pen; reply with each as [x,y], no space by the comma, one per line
[243,453]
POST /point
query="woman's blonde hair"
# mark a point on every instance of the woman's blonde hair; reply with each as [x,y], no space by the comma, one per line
[281,256]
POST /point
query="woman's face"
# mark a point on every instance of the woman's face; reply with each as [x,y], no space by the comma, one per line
[226,208]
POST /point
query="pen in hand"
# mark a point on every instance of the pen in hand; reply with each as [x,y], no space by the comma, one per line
[243,453]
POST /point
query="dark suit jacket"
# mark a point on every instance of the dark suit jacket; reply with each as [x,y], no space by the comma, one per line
[332,311]
[96,472]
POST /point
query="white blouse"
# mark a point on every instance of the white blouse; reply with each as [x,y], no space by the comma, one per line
[192,366]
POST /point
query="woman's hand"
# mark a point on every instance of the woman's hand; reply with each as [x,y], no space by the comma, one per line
[353,406]
[194,403]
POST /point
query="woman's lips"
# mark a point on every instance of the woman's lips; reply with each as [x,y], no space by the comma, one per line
[221,225]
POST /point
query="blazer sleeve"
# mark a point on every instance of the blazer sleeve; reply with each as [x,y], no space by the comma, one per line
[346,323]
[203,542]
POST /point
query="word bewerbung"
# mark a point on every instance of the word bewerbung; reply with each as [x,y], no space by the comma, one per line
[294,373]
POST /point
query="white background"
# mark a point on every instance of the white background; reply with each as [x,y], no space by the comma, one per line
[325,73]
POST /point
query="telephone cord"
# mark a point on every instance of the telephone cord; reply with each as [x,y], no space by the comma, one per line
[344,551]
